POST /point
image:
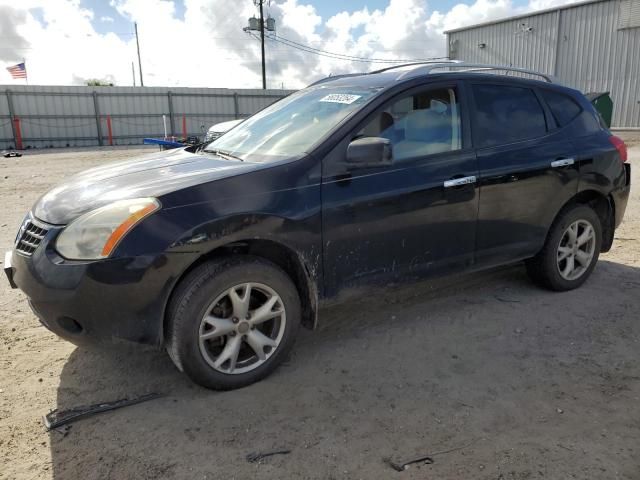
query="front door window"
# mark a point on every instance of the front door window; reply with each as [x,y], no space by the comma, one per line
[420,124]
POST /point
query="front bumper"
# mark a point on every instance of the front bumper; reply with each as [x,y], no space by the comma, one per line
[8,268]
[99,301]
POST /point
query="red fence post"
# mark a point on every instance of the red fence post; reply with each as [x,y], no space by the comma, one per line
[16,124]
[184,126]
[109,131]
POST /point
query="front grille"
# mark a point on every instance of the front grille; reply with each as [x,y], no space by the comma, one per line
[30,235]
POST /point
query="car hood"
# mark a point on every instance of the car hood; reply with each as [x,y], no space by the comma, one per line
[149,176]
[224,127]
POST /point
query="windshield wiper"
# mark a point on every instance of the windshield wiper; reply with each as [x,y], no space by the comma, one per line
[224,154]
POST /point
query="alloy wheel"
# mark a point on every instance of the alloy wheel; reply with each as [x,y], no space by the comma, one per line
[576,249]
[242,328]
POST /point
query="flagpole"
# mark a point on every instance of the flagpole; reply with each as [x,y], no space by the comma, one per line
[26,75]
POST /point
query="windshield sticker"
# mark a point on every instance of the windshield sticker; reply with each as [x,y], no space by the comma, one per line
[345,98]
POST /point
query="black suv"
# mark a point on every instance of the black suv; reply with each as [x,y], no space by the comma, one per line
[220,253]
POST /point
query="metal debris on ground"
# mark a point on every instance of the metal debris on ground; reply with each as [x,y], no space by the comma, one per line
[401,466]
[506,300]
[55,419]
[254,457]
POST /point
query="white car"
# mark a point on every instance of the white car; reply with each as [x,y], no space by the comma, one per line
[220,128]
[12,153]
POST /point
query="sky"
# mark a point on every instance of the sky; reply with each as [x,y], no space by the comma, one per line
[201,43]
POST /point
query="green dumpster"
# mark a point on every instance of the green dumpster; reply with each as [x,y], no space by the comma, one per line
[604,105]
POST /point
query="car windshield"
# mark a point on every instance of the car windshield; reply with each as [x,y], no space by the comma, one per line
[290,127]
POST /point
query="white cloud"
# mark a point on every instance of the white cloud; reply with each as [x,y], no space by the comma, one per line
[209,48]
[13,44]
[68,45]
[106,19]
[480,11]
[544,4]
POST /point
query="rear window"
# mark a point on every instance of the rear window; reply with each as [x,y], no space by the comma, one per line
[563,107]
[506,114]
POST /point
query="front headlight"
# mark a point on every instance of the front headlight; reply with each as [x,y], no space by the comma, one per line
[96,234]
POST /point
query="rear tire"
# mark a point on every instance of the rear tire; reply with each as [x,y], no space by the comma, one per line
[570,252]
[232,321]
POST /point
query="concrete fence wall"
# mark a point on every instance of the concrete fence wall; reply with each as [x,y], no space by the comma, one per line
[52,116]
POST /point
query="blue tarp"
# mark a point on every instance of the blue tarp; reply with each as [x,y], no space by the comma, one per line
[162,142]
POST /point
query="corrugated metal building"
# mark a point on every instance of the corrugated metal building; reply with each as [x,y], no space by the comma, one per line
[593,46]
[53,116]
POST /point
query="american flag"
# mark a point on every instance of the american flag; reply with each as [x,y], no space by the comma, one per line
[18,71]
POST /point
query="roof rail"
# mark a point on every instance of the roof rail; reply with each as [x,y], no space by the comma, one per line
[334,77]
[428,66]
[425,62]
[400,65]
[471,67]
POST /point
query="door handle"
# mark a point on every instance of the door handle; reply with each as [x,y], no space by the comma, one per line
[562,162]
[456,182]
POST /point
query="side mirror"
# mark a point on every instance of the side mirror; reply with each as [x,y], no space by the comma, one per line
[369,152]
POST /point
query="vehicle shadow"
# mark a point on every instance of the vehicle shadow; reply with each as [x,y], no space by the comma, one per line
[487,362]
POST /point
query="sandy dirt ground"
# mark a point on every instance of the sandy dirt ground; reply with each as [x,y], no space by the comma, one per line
[521,383]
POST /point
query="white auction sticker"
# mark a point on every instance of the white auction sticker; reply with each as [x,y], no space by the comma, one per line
[345,98]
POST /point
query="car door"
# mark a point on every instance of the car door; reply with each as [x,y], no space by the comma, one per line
[412,217]
[527,170]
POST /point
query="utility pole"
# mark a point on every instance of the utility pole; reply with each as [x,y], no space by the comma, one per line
[135,24]
[256,24]
[133,74]
[264,71]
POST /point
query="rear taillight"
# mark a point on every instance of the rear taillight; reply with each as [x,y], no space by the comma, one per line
[620,146]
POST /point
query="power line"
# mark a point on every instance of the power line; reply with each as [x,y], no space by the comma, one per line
[336,56]
[308,47]
[381,60]
[341,56]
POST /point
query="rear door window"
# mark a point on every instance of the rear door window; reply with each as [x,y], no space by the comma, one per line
[563,107]
[506,114]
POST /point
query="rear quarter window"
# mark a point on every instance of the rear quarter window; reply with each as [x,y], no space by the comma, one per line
[563,108]
[506,114]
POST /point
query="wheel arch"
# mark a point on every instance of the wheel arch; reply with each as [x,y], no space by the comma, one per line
[301,272]
[604,207]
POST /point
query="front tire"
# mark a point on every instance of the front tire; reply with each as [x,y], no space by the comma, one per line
[570,252]
[232,321]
